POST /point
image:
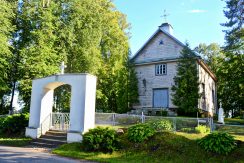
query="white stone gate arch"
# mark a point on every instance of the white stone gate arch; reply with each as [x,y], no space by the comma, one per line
[82,105]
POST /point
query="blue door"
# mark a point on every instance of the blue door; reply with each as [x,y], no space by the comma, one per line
[160,98]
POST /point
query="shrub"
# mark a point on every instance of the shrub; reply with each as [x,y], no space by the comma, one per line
[100,140]
[140,132]
[162,125]
[202,129]
[221,143]
[162,113]
[14,124]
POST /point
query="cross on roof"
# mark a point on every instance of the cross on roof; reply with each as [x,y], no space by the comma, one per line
[62,67]
[165,16]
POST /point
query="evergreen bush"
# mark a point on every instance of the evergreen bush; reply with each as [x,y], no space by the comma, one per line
[140,132]
[100,140]
[221,143]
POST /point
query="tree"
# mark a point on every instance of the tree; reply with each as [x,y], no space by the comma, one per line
[232,81]
[186,89]
[6,17]
[212,55]
[89,35]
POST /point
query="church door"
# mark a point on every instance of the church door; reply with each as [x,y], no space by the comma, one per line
[161,98]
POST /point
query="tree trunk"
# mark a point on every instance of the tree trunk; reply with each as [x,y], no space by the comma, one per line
[11,109]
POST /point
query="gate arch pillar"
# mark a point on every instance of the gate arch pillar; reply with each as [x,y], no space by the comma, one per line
[82,109]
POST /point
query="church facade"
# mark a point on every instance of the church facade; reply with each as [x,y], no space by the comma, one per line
[156,66]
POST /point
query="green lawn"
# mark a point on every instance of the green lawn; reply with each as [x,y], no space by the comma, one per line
[14,141]
[163,147]
[234,121]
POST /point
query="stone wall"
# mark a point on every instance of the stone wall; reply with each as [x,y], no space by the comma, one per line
[147,81]
[155,50]
[206,102]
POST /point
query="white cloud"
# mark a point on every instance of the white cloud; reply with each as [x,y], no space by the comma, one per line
[196,11]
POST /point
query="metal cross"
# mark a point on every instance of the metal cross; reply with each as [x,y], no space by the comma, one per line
[62,67]
[165,16]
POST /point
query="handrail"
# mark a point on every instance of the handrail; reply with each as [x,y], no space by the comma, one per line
[45,119]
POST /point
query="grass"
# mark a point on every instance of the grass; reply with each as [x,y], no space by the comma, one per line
[15,141]
[162,147]
[234,121]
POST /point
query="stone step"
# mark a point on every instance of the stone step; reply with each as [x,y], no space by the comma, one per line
[51,139]
[56,137]
[43,145]
[56,133]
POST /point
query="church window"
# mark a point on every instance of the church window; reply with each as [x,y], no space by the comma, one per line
[161,42]
[203,90]
[161,69]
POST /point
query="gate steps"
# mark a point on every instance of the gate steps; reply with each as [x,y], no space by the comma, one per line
[51,139]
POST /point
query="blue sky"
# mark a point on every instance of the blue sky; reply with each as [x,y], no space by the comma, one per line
[195,21]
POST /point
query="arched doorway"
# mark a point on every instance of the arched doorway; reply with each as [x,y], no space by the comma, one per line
[61,108]
[82,105]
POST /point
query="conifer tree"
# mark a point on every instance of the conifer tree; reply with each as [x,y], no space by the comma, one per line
[231,74]
[186,89]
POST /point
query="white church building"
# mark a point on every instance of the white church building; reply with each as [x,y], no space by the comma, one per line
[156,66]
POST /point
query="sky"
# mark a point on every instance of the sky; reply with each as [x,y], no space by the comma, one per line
[194,21]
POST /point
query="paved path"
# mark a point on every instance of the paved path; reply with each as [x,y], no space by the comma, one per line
[31,155]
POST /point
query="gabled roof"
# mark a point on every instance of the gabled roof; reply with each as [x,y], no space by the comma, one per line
[159,30]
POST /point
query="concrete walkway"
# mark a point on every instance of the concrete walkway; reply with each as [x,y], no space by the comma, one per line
[31,155]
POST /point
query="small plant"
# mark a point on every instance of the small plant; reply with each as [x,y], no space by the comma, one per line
[221,143]
[100,140]
[202,129]
[140,132]
[162,125]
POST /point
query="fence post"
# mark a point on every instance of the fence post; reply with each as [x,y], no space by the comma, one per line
[113,119]
[142,118]
[174,124]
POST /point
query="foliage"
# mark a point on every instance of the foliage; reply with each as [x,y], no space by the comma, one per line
[162,113]
[14,124]
[100,139]
[90,36]
[231,87]
[185,90]
[212,55]
[162,125]
[202,129]
[7,27]
[140,132]
[221,143]
[162,147]
[62,97]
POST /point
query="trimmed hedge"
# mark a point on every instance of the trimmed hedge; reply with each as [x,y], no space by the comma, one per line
[14,124]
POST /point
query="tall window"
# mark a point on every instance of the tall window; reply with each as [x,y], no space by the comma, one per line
[161,69]
[203,90]
[213,96]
